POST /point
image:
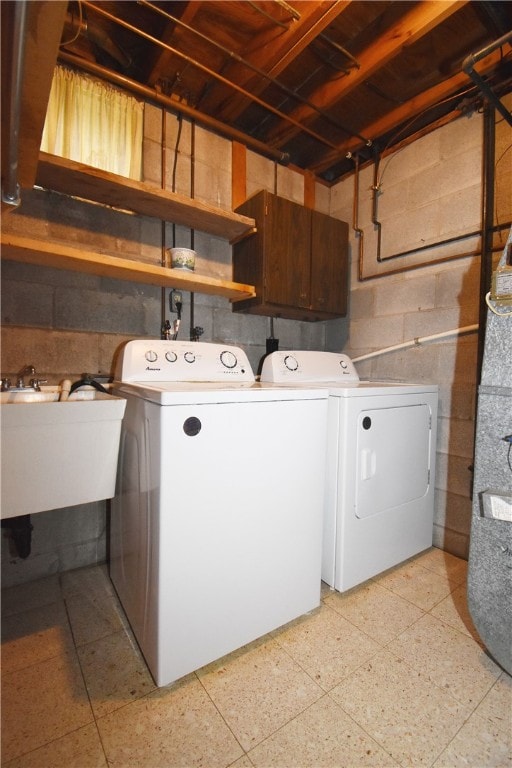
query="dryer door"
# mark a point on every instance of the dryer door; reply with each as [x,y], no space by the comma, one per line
[393,465]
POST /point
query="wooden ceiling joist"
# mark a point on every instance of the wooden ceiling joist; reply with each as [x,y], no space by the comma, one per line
[418,21]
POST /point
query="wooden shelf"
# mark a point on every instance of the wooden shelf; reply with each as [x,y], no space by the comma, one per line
[61,256]
[71,178]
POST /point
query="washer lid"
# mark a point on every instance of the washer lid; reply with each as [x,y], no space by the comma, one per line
[200,393]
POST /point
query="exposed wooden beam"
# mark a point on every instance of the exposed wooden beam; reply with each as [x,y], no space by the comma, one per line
[405,112]
[273,54]
[161,64]
[238,174]
[309,190]
[416,22]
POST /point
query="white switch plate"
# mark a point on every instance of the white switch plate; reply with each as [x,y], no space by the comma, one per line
[497,504]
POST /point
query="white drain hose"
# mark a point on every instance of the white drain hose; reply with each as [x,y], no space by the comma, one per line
[418,341]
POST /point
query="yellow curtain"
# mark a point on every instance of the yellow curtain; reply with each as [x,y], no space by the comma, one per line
[93,123]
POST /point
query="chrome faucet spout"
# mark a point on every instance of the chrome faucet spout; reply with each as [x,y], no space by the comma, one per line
[27,370]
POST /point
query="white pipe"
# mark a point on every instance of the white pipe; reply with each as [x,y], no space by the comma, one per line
[417,341]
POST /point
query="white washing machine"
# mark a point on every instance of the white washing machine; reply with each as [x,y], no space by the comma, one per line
[381,449]
[216,526]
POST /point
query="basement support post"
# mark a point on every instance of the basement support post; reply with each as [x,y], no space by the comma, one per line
[487,224]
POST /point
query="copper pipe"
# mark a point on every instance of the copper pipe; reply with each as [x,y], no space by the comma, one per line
[209,72]
[293,13]
[355,217]
[278,23]
[176,106]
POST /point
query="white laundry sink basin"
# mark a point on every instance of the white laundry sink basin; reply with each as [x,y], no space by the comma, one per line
[29,397]
[58,454]
[47,394]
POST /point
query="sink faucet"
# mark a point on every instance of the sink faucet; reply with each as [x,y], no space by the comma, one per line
[34,383]
[27,370]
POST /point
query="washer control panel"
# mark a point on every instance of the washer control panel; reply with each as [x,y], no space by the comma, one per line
[284,367]
[161,360]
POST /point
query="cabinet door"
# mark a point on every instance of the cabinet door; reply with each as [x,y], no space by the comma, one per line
[287,254]
[329,264]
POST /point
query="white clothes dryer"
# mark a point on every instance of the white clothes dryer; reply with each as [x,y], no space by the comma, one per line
[381,450]
[216,526]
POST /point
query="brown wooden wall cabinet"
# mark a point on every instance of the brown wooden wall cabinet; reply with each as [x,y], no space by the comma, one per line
[297,260]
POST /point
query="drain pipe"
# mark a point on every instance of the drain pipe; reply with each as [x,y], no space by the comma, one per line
[20,532]
[468,67]
[418,341]
[11,192]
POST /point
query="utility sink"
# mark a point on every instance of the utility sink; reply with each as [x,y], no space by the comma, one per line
[30,397]
[58,454]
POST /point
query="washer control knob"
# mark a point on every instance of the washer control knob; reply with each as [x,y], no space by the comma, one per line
[344,364]
[189,357]
[151,356]
[171,357]
[228,359]
[291,363]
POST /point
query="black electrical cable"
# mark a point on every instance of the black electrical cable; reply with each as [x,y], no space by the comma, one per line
[508,439]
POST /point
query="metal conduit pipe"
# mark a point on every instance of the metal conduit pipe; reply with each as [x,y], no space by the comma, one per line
[468,67]
[418,341]
[375,192]
[487,224]
[289,92]
[446,241]
[11,190]
[430,263]
[175,106]
[209,72]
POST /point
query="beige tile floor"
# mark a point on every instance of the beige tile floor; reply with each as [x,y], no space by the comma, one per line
[391,673]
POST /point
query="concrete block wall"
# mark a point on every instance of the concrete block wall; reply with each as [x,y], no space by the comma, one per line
[429,191]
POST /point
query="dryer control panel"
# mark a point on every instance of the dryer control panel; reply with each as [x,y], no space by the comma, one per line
[157,360]
[284,367]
